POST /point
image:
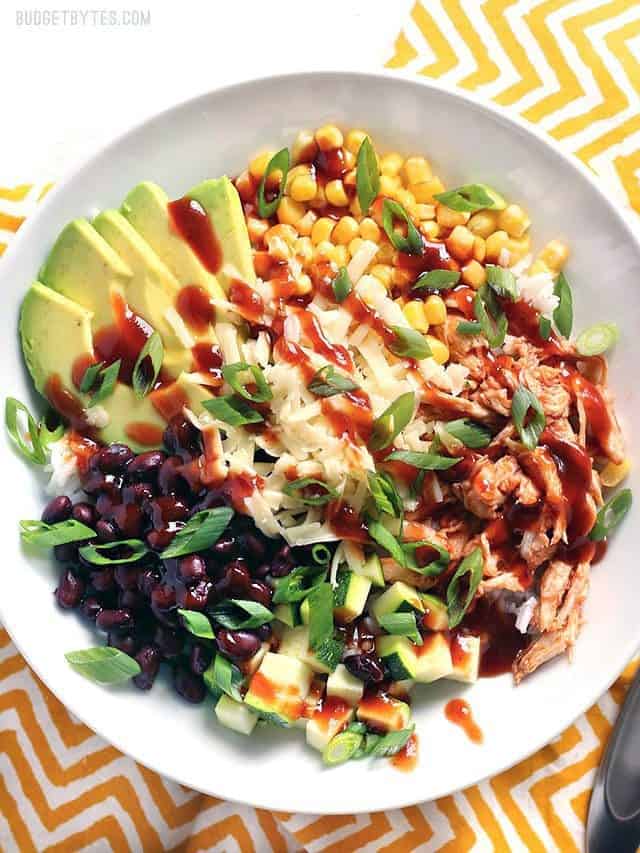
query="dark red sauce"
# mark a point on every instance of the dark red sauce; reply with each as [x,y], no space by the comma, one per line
[330,164]
[195,308]
[83,448]
[168,400]
[65,403]
[574,469]
[461,298]
[79,367]
[458,712]
[346,523]
[460,653]
[191,222]
[123,339]
[500,640]
[239,486]
[434,257]
[286,350]
[312,331]
[524,321]
[350,416]
[207,358]
[332,708]
[247,301]
[598,417]
[144,433]
[407,759]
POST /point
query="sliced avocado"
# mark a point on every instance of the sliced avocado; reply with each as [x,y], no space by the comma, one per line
[288,614]
[350,596]
[295,643]
[235,715]
[278,689]
[466,658]
[433,658]
[84,268]
[342,685]
[323,726]
[384,712]
[130,418]
[399,597]
[222,203]
[54,332]
[436,616]
[398,655]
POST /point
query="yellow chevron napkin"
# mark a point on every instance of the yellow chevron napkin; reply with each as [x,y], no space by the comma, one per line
[570,66]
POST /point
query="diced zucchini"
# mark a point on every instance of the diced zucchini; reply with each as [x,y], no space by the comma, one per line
[399,597]
[466,658]
[333,717]
[342,685]
[350,596]
[295,643]
[384,712]
[398,655]
[250,666]
[279,687]
[401,689]
[436,617]
[289,614]
[235,715]
[433,658]
[367,566]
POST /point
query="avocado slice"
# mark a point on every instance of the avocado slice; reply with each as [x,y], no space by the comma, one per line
[398,655]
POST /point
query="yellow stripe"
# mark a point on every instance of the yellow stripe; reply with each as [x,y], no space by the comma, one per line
[45,189]
[487,820]
[464,837]
[529,79]
[404,52]
[446,58]
[15,193]
[487,71]
[9,222]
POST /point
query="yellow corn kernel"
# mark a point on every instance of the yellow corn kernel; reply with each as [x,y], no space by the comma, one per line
[448,218]
[391,164]
[518,248]
[384,273]
[611,475]
[495,243]
[345,231]
[324,250]
[257,228]
[303,248]
[424,211]
[554,255]
[401,277]
[285,232]
[538,266]
[479,249]
[349,179]
[304,147]
[474,274]
[303,188]
[303,285]
[439,351]
[483,223]
[514,220]
[320,200]
[389,184]
[340,255]
[417,170]
[424,191]
[430,229]
[290,212]
[406,199]
[369,229]
[415,314]
[460,243]
[307,222]
[354,208]
[349,159]
[329,137]
[321,231]
[292,174]
[354,140]
[258,166]
[386,254]
[354,245]
[336,194]
[435,310]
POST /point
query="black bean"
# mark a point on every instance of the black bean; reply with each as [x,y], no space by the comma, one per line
[262,570]
[253,546]
[115,620]
[131,599]
[146,466]
[195,597]
[237,644]
[366,667]
[200,658]
[188,685]
[192,568]
[58,509]
[104,579]
[127,576]
[91,607]
[260,592]
[169,642]
[126,643]
[137,493]
[170,479]
[264,631]
[158,540]
[130,520]
[180,435]
[149,660]
[114,458]
[106,531]
[237,575]
[67,553]
[84,513]
[163,510]
[70,590]
[147,580]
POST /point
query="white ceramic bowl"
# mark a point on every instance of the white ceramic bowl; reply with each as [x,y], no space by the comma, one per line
[466,142]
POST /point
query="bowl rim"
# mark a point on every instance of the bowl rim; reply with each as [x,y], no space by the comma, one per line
[74,172]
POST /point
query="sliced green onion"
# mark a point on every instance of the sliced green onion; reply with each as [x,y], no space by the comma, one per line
[320,615]
[297,585]
[611,514]
[424,461]
[544,327]
[321,554]
[108,378]
[367,175]
[384,493]
[341,285]
[152,353]
[470,434]
[401,625]
[429,570]
[469,327]
[31,449]
[409,343]
[103,664]
[391,743]
[524,402]
[49,436]
[197,624]
[437,280]
[321,492]
[278,163]
[237,614]
[383,537]
[597,339]
[232,410]
[392,421]
[457,600]
[98,555]
[492,319]
[471,197]
[33,532]
[327,382]
[232,373]
[223,676]
[412,243]
[502,281]
[90,376]
[201,532]
[341,748]
[563,314]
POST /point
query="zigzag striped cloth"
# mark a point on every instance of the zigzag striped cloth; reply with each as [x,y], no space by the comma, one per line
[572,68]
